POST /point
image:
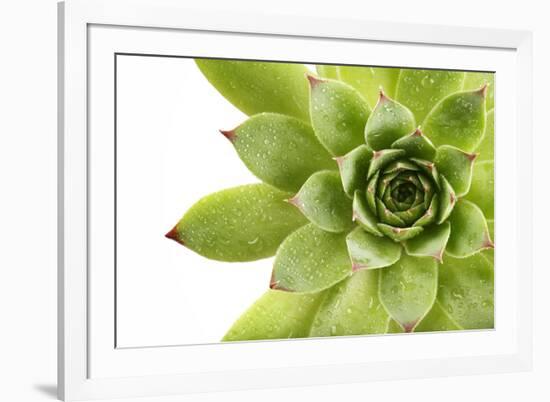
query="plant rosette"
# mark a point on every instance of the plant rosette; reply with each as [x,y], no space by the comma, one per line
[377,224]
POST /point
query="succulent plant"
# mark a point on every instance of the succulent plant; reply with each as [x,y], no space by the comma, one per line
[376,201]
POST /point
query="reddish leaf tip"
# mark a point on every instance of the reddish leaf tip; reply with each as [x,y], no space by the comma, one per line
[409,326]
[294,201]
[274,284]
[313,81]
[472,157]
[173,235]
[231,135]
[272,281]
[382,96]
[339,160]
[438,257]
[418,132]
[488,243]
[483,90]
[452,198]
[355,266]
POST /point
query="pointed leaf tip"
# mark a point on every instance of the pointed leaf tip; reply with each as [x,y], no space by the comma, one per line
[452,198]
[483,90]
[229,134]
[272,281]
[355,266]
[473,156]
[210,228]
[173,235]
[418,132]
[294,201]
[314,81]
[275,284]
[409,326]
[339,160]
[488,244]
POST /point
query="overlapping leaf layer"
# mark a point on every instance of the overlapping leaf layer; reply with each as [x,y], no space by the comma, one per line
[377,203]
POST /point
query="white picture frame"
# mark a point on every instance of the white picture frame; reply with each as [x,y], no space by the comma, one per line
[91,367]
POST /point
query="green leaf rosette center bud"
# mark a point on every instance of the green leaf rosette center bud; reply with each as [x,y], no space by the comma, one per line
[402,195]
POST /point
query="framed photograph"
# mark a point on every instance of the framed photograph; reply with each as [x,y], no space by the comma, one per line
[254,201]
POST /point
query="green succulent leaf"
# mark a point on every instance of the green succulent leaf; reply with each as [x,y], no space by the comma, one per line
[389,121]
[456,166]
[363,215]
[477,80]
[416,145]
[437,320]
[370,80]
[276,315]
[338,115]
[372,190]
[469,231]
[430,214]
[486,148]
[352,307]
[431,242]
[399,234]
[466,291]
[420,90]
[310,260]
[482,191]
[411,215]
[399,166]
[368,251]
[388,216]
[323,201]
[354,167]
[383,158]
[280,150]
[243,223]
[256,87]
[408,289]
[429,168]
[447,200]
[328,71]
[458,120]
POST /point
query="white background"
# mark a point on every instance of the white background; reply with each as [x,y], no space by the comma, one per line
[27,205]
[169,154]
